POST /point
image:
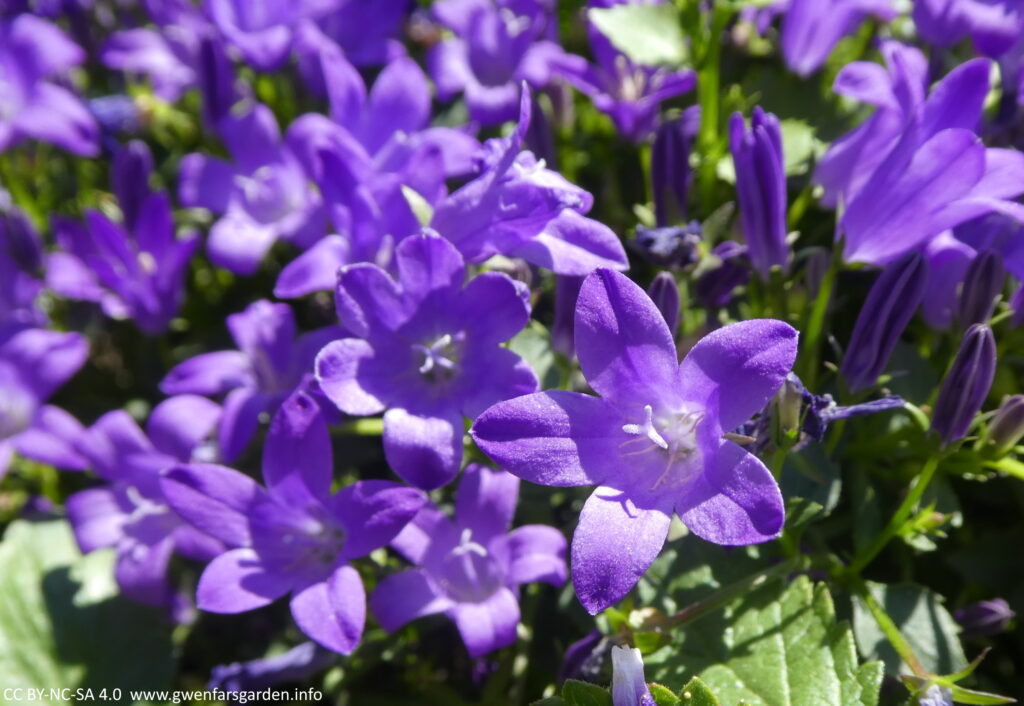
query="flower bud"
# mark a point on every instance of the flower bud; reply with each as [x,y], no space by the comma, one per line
[129,178]
[671,246]
[715,287]
[761,187]
[965,388]
[815,270]
[789,404]
[216,80]
[628,685]
[984,618]
[890,305]
[1017,306]
[670,166]
[664,292]
[982,284]
[563,332]
[20,240]
[1007,427]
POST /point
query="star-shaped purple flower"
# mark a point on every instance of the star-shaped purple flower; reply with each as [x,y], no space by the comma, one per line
[293,536]
[470,569]
[130,512]
[269,364]
[653,440]
[427,351]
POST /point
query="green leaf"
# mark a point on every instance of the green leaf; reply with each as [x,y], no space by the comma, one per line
[420,207]
[663,696]
[697,693]
[580,693]
[922,620]
[810,483]
[63,624]
[648,34]
[776,646]
[533,344]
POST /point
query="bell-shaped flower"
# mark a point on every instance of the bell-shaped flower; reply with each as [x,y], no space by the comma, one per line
[268,365]
[34,363]
[497,45]
[993,26]
[292,536]
[811,28]
[653,441]
[135,273]
[517,207]
[32,51]
[470,568]
[263,195]
[130,512]
[427,350]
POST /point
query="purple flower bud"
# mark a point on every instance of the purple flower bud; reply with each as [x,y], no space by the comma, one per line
[296,664]
[670,166]
[984,618]
[671,246]
[539,138]
[761,186]
[129,178]
[664,292]
[567,289]
[628,685]
[115,114]
[1007,427]
[982,284]
[20,240]
[715,287]
[584,658]
[891,303]
[817,265]
[216,81]
[965,388]
[1017,306]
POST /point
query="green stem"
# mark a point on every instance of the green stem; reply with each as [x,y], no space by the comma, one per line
[365,426]
[896,523]
[709,97]
[892,633]
[816,322]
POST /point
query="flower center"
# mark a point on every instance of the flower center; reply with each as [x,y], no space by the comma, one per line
[468,573]
[440,357]
[673,435]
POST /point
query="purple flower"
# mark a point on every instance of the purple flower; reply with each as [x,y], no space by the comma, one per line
[630,94]
[426,350]
[269,364]
[716,285]
[130,512]
[1006,427]
[761,186]
[31,51]
[993,25]
[811,28]
[136,273]
[263,31]
[891,303]
[366,30]
[628,685]
[497,46]
[517,207]
[983,284]
[293,536]
[669,246]
[263,196]
[470,569]
[21,257]
[670,166]
[664,292]
[653,440]
[984,618]
[966,386]
[34,363]
[297,664]
[821,410]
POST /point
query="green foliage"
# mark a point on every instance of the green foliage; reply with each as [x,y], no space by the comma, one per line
[776,646]
[697,693]
[649,35]
[63,624]
[922,620]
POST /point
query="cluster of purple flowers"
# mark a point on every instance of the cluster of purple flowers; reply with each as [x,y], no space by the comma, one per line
[430,235]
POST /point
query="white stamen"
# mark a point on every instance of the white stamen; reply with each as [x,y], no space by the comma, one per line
[647,429]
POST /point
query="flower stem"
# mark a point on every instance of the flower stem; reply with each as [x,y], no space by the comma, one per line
[709,97]
[365,426]
[888,627]
[865,557]
[816,322]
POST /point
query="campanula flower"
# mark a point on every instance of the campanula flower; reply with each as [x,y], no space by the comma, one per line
[983,283]
[630,94]
[984,618]
[135,273]
[269,363]
[992,26]
[34,363]
[517,207]
[817,412]
[811,29]
[470,568]
[653,440]
[21,260]
[425,350]
[130,512]
[263,31]
[628,685]
[1007,427]
[263,195]
[761,186]
[295,665]
[129,179]
[669,246]
[497,45]
[966,386]
[293,535]
[32,51]
[891,303]
[367,31]
[670,166]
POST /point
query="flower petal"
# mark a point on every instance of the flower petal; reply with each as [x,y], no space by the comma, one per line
[216,499]
[533,553]
[614,544]
[333,612]
[494,307]
[179,424]
[297,458]
[486,502]
[97,517]
[209,374]
[239,420]
[488,625]
[405,596]
[373,512]
[353,377]
[425,451]
[236,582]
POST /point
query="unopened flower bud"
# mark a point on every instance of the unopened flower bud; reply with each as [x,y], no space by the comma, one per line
[984,618]
[789,403]
[1017,306]
[129,178]
[664,292]
[715,287]
[965,388]
[1007,427]
[670,166]
[20,240]
[563,334]
[628,685]
[982,284]
[671,246]
[890,305]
